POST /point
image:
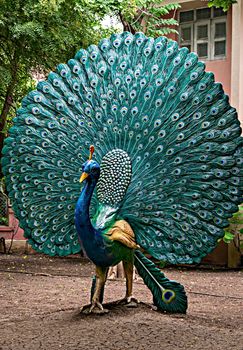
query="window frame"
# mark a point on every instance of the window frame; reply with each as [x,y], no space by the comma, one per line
[204,40]
[211,33]
[215,21]
[187,25]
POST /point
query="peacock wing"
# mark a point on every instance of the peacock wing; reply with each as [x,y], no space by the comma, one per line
[156,103]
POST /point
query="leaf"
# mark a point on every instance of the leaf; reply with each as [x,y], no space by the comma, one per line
[228,237]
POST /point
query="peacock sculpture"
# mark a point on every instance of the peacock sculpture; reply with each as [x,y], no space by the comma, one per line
[159,152]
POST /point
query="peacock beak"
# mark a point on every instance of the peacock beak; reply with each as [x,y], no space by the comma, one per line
[83,177]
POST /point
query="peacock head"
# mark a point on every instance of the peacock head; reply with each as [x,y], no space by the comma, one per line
[91,168]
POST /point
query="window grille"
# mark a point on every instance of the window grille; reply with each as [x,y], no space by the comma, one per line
[3,209]
[204,31]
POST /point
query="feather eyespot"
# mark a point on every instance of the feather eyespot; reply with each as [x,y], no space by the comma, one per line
[46,88]
[180,137]
[143,82]
[169,52]
[116,43]
[170,151]
[196,100]
[35,110]
[214,111]
[177,60]
[184,96]
[111,61]
[132,93]
[162,133]
[124,111]
[158,102]
[194,76]
[181,125]
[71,100]
[128,79]
[76,86]
[157,123]
[188,64]
[83,60]
[134,111]
[76,69]
[37,98]
[123,65]
[205,125]
[147,51]
[209,98]
[102,71]
[93,56]
[202,86]
[171,90]
[128,41]
[158,46]
[147,95]
[63,73]
[175,117]
[197,115]
[155,69]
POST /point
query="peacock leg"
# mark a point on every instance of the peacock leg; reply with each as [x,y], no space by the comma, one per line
[128,270]
[101,275]
[96,306]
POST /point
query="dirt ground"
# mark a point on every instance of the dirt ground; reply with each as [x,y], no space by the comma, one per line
[41,298]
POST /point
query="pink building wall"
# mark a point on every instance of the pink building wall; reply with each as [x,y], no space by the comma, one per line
[222,68]
[12,228]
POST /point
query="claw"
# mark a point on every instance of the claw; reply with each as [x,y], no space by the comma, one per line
[95,308]
[132,302]
[129,302]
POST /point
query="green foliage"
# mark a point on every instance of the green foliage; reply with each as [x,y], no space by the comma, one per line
[154,18]
[235,229]
[224,4]
[3,221]
[36,35]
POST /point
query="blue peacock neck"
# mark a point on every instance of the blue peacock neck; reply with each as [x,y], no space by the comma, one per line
[82,217]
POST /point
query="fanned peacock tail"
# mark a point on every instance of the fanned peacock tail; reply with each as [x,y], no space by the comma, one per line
[168,295]
[153,101]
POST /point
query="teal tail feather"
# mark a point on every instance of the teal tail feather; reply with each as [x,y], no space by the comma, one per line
[168,295]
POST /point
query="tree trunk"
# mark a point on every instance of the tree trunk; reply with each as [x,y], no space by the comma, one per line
[8,102]
[127,27]
[6,107]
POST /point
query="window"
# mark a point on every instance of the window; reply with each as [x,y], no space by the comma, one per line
[204,32]
[3,209]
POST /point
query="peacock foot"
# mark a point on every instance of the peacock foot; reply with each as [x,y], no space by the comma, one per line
[95,308]
[129,302]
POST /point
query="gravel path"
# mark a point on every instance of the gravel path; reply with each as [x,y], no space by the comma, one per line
[41,297]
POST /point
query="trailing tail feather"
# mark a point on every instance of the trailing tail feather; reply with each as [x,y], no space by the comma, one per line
[168,295]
